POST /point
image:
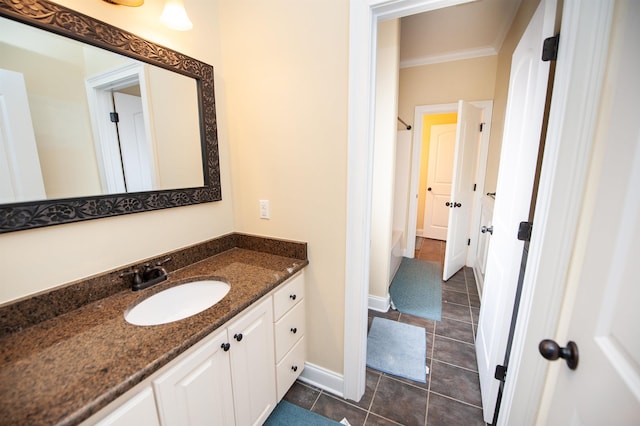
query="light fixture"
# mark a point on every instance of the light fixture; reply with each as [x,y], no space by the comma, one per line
[126,2]
[175,16]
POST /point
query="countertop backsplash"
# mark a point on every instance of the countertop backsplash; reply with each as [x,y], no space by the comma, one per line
[28,311]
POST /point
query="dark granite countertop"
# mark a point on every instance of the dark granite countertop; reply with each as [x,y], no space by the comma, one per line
[64,369]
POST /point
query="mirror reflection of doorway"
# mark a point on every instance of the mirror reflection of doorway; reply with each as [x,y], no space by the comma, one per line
[121,116]
[132,141]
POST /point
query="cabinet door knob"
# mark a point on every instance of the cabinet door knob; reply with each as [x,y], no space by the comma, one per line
[238,336]
[292,296]
[225,346]
[294,368]
[294,330]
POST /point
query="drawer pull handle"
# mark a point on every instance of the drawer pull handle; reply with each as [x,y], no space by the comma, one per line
[294,330]
[294,368]
[238,336]
[292,296]
[225,346]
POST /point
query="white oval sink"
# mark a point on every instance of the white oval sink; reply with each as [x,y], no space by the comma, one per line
[177,303]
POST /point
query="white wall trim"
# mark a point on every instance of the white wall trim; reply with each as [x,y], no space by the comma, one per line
[582,59]
[363,18]
[322,378]
[380,304]
[460,55]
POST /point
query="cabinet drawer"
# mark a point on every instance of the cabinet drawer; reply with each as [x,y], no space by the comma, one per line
[289,329]
[290,367]
[285,298]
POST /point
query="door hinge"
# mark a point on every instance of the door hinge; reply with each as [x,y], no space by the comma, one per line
[481,126]
[469,242]
[524,231]
[500,373]
[550,48]
[114,117]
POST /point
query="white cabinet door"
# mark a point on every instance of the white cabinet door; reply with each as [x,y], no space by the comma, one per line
[139,410]
[198,389]
[252,364]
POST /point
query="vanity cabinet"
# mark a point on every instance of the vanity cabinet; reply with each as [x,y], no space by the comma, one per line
[229,380]
[290,328]
[234,376]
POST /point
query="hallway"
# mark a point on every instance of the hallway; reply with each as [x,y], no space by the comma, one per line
[451,395]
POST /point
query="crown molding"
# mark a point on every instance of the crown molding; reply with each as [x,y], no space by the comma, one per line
[449,57]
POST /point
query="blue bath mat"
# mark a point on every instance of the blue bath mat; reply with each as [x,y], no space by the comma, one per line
[287,414]
[417,288]
[397,348]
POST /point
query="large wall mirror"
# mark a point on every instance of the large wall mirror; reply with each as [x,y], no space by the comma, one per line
[97,122]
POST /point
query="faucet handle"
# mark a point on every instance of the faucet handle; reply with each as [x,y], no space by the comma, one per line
[137,278]
[163,262]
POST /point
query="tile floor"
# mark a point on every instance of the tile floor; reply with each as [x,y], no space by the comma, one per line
[451,395]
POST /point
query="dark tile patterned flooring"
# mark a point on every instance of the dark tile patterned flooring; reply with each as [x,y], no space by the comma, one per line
[451,395]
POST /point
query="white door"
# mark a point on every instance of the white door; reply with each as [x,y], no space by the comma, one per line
[605,387]
[461,200]
[518,157]
[138,161]
[20,173]
[442,145]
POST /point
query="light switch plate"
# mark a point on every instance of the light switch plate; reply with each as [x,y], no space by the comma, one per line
[264,209]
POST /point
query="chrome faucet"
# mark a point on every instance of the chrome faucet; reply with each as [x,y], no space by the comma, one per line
[149,276]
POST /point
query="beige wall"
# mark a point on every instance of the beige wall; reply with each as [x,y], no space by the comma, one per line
[286,81]
[447,82]
[58,107]
[40,259]
[384,154]
[174,117]
[522,18]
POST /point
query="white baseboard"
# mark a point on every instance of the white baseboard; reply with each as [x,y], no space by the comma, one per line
[380,304]
[322,378]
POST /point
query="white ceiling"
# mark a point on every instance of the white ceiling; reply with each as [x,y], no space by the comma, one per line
[459,32]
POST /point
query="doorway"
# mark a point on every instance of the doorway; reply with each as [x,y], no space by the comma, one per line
[424,117]
[436,174]
[578,85]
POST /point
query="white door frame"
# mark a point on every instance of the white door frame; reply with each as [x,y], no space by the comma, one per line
[578,80]
[483,152]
